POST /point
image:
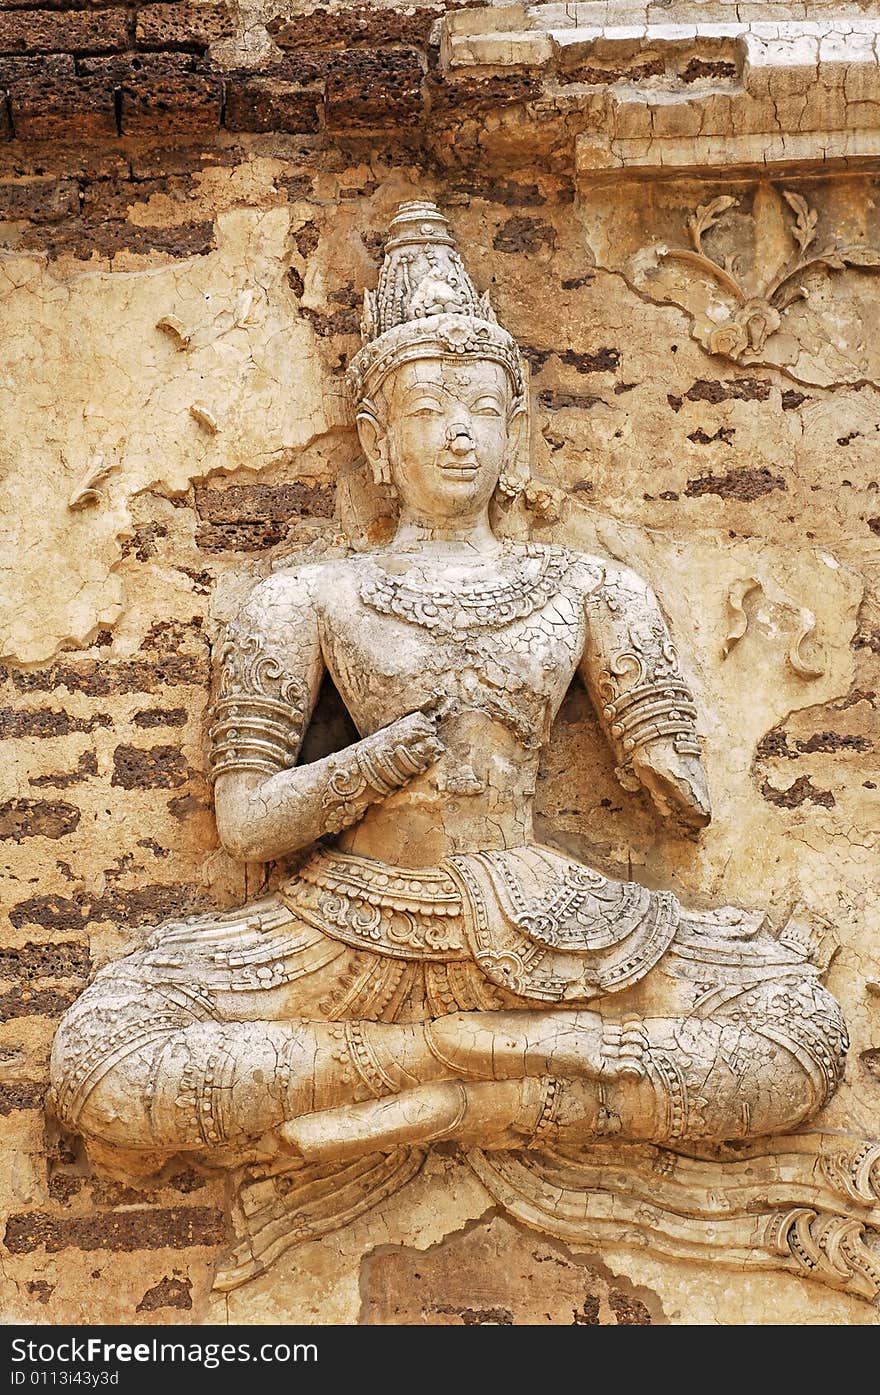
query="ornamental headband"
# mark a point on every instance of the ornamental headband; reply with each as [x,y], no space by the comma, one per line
[426,306]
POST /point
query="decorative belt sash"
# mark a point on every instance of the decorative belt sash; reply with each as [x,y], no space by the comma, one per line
[555,931]
[537,924]
[411,914]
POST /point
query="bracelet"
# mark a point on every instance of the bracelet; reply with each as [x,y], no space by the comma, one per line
[546,1121]
[650,710]
[253,733]
[365,1061]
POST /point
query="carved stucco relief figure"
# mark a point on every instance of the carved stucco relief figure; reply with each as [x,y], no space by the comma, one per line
[432,972]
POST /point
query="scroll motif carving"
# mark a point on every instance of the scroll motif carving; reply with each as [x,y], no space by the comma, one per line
[855,1174]
[834,1249]
[738,618]
[417,912]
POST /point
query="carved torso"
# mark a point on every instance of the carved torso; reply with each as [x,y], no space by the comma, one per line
[495,643]
[489,642]
[501,636]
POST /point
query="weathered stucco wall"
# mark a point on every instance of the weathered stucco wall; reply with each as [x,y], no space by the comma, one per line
[178,309]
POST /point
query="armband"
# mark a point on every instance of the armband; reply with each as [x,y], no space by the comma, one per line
[260,712]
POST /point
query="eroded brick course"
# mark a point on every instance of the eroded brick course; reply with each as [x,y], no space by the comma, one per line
[118,68]
[97,678]
[269,104]
[15,69]
[35,1002]
[168,1293]
[37,818]
[22,1094]
[744,484]
[69,959]
[161,717]
[173,1227]
[39,200]
[184,25]
[468,98]
[184,102]
[46,108]
[350,25]
[47,722]
[108,237]
[253,502]
[373,87]
[145,903]
[152,767]
[70,31]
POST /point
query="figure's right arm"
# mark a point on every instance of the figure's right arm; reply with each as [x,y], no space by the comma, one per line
[270,672]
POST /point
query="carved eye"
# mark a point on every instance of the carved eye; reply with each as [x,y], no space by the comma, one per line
[485,407]
[425,409]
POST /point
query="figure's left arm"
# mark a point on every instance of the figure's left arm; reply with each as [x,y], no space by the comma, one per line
[646,709]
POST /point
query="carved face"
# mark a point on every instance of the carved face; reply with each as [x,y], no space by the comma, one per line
[447,435]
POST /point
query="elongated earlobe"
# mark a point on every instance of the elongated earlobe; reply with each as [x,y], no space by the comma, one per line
[374,442]
[515,473]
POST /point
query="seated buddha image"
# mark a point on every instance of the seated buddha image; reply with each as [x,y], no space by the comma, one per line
[431,971]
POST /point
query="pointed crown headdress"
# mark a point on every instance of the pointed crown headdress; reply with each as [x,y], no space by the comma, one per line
[426,306]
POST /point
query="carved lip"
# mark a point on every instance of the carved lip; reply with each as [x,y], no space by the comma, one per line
[465,469]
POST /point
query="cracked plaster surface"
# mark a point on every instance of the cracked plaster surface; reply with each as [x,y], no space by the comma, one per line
[90,377]
[639,442]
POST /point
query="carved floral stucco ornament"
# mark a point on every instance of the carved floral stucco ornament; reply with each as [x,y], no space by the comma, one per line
[767,309]
[432,972]
[757,317]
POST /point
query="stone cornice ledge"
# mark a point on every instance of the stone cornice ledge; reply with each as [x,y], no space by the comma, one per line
[710,89]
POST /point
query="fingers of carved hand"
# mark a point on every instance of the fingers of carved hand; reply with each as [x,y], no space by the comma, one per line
[429,750]
[625,1048]
[413,727]
[414,737]
[422,751]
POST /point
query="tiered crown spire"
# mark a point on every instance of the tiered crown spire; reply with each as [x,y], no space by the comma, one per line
[426,306]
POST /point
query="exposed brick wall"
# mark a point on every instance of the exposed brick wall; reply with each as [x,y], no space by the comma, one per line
[90,70]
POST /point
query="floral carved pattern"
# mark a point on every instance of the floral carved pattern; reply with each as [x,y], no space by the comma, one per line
[756,314]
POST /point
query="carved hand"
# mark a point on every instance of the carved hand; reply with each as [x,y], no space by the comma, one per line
[676,783]
[373,768]
[411,740]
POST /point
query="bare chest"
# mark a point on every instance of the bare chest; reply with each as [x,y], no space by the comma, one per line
[504,643]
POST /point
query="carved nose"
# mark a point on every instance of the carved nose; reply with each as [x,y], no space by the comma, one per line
[459,438]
